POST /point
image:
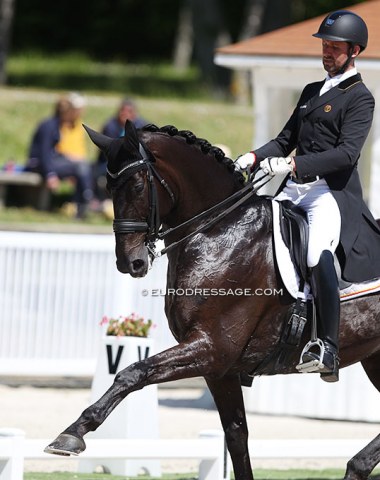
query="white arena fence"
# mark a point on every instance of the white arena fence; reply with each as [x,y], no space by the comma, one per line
[55,288]
[210,449]
[54,291]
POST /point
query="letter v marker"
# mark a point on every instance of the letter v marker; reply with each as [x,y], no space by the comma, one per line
[112,366]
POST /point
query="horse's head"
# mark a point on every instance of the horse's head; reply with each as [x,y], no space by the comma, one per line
[129,171]
[160,175]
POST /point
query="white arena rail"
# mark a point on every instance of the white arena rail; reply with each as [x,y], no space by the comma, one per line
[54,291]
[210,449]
[214,463]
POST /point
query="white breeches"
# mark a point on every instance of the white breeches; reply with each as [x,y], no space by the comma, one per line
[323,214]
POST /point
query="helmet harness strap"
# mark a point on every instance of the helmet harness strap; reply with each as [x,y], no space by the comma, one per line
[343,68]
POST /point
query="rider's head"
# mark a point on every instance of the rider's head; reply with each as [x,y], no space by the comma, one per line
[344,35]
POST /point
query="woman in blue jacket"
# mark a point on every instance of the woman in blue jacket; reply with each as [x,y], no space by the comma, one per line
[54,166]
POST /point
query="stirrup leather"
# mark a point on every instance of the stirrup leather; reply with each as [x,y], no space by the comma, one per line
[313,365]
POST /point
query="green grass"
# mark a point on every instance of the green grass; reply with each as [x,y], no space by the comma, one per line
[100,476]
[327,474]
[218,122]
[164,96]
[260,474]
[20,218]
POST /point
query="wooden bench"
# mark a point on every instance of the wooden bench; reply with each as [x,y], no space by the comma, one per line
[36,193]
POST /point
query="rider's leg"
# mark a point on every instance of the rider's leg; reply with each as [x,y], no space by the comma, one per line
[324,231]
[326,294]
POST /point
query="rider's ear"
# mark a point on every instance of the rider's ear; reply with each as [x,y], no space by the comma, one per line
[356,51]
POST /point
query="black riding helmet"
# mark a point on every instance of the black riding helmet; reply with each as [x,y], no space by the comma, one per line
[344,26]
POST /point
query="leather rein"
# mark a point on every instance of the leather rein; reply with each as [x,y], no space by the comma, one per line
[153,223]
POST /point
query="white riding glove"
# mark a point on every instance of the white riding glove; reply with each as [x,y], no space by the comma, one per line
[276,165]
[246,162]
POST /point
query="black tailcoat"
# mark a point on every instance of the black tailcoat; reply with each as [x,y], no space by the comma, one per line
[328,133]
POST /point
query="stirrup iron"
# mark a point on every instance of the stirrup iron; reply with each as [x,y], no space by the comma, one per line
[312,365]
[316,364]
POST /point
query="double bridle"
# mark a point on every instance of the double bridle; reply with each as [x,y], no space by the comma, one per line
[153,223]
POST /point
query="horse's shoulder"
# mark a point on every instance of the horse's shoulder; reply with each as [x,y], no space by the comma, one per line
[259,209]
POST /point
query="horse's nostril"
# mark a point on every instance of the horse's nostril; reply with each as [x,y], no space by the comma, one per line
[137,264]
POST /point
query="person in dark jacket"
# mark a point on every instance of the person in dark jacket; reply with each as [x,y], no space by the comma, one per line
[46,159]
[327,129]
[127,110]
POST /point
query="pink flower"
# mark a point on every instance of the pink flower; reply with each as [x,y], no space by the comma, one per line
[132,325]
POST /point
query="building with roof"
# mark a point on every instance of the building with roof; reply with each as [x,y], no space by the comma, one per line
[283,61]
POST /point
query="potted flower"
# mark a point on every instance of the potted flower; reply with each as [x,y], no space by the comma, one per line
[131,326]
[126,340]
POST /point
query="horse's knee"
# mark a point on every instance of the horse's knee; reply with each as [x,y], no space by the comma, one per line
[119,378]
[135,374]
[122,377]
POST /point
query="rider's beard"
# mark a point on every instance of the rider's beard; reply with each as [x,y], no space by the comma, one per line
[331,66]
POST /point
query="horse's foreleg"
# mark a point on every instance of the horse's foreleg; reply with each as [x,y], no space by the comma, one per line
[188,359]
[361,465]
[228,398]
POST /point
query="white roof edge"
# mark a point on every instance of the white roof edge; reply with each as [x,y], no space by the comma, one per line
[249,61]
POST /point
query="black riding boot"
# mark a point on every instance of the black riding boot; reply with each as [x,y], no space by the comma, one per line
[325,287]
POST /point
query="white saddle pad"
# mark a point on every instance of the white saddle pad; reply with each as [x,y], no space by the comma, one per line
[289,274]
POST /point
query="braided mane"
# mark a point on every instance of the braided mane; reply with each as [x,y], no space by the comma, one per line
[203,144]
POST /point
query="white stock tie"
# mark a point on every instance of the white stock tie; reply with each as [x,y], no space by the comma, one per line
[328,85]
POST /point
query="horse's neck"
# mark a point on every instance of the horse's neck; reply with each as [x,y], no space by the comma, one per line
[201,188]
[249,225]
[198,181]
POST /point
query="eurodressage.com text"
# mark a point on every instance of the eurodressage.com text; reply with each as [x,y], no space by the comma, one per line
[212,292]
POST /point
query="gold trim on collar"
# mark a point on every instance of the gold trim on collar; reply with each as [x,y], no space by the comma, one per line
[349,86]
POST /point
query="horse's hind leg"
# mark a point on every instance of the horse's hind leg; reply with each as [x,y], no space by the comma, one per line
[188,359]
[228,398]
[362,464]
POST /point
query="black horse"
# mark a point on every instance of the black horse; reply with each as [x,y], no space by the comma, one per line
[165,177]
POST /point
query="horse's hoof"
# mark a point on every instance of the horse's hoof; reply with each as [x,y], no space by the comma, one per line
[66,445]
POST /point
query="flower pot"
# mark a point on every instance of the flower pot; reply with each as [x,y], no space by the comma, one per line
[136,416]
